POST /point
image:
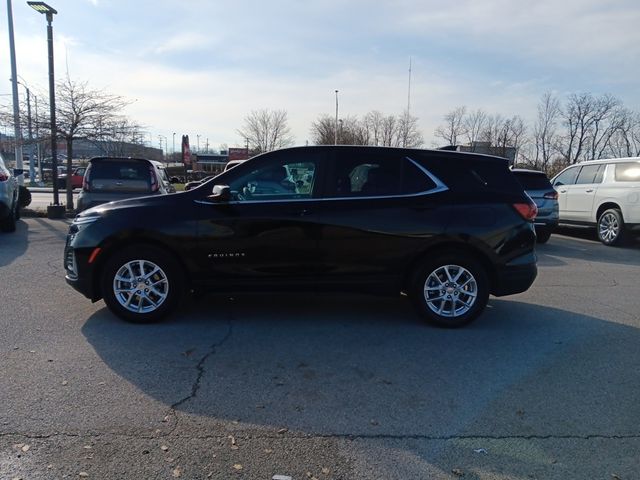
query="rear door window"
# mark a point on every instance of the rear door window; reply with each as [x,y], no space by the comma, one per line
[590,174]
[369,173]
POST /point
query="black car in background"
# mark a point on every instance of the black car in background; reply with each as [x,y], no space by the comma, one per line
[445,228]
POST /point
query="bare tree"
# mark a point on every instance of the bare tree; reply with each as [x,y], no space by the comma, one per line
[266,130]
[409,135]
[82,112]
[454,126]
[474,125]
[544,130]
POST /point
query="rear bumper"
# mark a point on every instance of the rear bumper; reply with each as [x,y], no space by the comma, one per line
[516,276]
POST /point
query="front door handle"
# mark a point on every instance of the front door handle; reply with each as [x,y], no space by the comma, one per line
[589,191]
[563,191]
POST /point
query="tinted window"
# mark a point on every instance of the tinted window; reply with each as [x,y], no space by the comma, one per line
[288,177]
[533,181]
[568,177]
[590,174]
[368,173]
[120,170]
[627,172]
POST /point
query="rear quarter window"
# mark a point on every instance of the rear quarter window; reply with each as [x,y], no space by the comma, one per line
[627,172]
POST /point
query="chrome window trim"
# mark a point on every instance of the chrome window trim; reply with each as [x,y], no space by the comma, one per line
[440,187]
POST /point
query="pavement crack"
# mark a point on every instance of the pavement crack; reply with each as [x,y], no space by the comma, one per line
[200,368]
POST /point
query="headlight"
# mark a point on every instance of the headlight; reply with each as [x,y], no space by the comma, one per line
[80,223]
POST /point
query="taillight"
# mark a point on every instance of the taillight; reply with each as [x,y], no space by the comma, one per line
[154,179]
[551,195]
[3,177]
[528,211]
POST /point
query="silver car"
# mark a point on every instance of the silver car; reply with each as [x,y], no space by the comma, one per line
[108,179]
[9,198]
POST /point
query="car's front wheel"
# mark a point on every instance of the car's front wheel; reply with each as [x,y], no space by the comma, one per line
[450,290]
[142,284]
[611,227]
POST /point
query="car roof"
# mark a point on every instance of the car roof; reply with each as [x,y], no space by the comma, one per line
[435,152]
[118,159]
[528,172]
[608,160]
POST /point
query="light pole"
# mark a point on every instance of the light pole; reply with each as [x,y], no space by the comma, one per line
[173,150]
[45,9]
[165,144]
[335,132]
[32,169]
[198,143]
[16,103]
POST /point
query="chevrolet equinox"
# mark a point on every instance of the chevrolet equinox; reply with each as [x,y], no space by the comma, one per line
[445,228]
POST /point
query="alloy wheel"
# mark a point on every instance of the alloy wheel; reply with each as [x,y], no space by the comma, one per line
[450,291]
[140,286]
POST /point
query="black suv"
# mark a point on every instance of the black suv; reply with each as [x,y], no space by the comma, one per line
[445,228]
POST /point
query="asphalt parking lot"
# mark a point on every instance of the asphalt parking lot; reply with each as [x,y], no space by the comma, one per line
[545,385]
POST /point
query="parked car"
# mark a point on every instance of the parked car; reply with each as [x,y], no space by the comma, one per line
[113,178]
[537,185]
[196,183]
[9,197]
[601,193]
[76,178]
[233,163]
[446,228]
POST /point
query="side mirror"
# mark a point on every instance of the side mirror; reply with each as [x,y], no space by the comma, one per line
[220,193]
[175,180]
[18,171]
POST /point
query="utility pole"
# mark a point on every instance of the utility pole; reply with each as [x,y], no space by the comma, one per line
[16,101]
[335,132]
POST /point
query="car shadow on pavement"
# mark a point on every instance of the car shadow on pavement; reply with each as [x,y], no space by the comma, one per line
[367,368]
[13,245]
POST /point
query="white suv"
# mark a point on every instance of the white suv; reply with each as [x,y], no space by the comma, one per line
[601,193]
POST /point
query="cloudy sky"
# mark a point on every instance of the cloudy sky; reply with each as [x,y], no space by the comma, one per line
[198,67]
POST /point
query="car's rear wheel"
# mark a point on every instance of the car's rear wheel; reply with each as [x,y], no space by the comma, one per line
[9,223]
[611,227]
[142,284]
[450,290]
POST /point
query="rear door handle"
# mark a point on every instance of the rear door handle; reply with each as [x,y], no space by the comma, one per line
[589,191]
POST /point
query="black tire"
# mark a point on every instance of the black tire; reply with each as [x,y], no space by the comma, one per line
[610,228]
[25,197]
[543,235]
[165,287]
[8,224]
[465,302]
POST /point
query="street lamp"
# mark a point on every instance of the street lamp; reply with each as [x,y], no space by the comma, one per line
[173,150]
[198,143]
[32,170]
[14,87]
[45,9]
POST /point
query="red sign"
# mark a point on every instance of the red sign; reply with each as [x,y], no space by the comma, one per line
[186,151]
[238,154]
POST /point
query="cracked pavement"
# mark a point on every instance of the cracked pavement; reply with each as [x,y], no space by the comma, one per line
[545,385]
